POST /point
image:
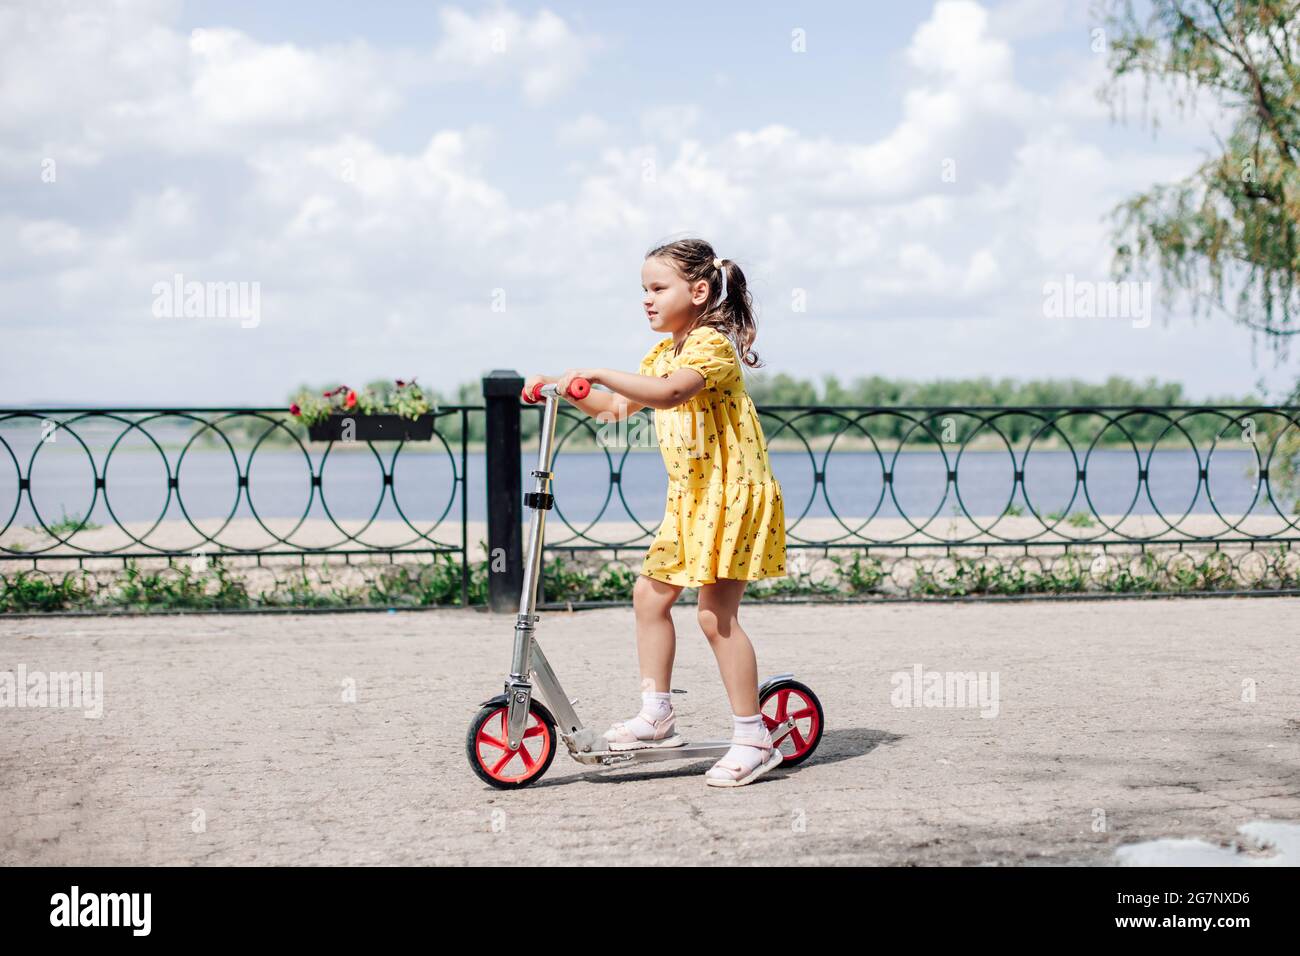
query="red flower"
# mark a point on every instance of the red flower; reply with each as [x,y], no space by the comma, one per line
[326,394]
[400,383]
[294,409]
[352,399]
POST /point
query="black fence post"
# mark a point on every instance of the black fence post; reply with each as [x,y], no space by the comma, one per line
[505,495]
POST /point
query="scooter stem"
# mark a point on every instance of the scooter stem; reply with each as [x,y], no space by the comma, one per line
[518,687]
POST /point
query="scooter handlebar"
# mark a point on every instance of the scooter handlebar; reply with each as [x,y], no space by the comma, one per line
[578,388]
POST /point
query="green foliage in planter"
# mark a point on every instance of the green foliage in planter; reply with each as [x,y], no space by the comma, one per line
[378,398]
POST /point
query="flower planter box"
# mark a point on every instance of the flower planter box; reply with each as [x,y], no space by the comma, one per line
[373,428]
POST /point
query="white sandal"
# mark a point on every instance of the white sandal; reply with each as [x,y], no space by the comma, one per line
[734,768]
[620,737]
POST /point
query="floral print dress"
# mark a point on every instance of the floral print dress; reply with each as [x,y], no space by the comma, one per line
[724,517]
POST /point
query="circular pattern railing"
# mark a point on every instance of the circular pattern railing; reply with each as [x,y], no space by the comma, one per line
[906,499]
[180,453]
[1193,448]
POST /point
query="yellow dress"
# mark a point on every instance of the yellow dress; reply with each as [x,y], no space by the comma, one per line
[724,517]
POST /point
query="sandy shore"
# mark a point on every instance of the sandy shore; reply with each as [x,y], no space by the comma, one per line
[227,740]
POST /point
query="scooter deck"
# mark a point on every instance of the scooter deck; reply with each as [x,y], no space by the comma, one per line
[704,748]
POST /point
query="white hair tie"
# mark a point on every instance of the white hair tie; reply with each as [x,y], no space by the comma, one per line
[717,264]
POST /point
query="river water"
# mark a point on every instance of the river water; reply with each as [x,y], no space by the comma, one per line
[279,484]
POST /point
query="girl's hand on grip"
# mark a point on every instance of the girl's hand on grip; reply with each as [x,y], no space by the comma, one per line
[529,394]
[592,375]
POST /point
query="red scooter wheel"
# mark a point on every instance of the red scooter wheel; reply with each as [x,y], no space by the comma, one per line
[786,699]
[492,759]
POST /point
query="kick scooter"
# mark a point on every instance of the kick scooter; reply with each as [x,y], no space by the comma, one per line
[512,740]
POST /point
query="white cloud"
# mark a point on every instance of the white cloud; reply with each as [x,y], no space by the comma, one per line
[670,123]
[235,81]
[982,273]
[954,42]
[47,237]
[544,55]
[82,81]
[238,160]
[1019,19]
[585,130]
[1182,115]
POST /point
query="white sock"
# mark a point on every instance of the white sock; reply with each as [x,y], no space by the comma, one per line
[656,704]
[747,728]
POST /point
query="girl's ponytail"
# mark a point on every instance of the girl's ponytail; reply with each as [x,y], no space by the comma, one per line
[730,308]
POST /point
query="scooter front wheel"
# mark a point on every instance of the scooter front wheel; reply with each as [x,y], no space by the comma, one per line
[790,699]
[490,756]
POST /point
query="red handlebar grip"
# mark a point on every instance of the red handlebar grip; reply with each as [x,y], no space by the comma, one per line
[578,388]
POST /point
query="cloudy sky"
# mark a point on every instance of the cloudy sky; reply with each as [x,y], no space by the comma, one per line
[438,190]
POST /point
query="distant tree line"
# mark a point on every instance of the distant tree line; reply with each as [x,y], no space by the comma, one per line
[879,392]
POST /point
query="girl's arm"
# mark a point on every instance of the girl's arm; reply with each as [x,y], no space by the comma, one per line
[598,404]
[635,391]
[605,405]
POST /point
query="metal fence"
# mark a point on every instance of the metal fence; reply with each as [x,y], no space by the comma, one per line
[892,482]
[1195,440]
[168,466]
[1117,497]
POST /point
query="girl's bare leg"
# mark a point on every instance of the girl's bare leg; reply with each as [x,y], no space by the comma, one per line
[656,639]
[752,750]
[735,654]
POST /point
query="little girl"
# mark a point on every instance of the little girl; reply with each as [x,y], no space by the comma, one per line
[724,523]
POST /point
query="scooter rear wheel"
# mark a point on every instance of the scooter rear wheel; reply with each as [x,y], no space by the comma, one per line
[494,762]
[787,699]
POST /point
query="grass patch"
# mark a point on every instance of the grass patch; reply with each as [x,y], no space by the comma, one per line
[65,526]
[215,587]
